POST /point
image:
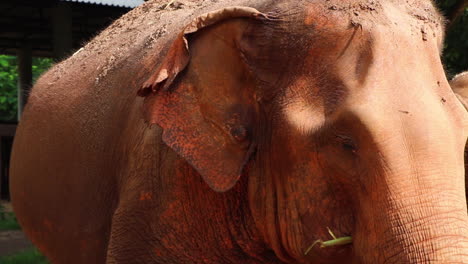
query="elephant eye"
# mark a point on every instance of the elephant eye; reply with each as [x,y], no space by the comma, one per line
[239,133]
[347,143]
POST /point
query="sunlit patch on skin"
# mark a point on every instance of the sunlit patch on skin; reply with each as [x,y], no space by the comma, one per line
[304,116]
[302,106]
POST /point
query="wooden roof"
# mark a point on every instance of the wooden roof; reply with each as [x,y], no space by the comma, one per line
[120,3]
[31,21]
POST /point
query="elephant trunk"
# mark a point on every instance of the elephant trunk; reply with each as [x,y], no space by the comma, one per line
[413,229]
[413,208]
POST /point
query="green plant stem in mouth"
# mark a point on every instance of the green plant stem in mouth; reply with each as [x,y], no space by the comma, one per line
[336,241]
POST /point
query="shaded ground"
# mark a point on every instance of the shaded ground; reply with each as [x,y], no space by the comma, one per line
[12,242]
[6,206]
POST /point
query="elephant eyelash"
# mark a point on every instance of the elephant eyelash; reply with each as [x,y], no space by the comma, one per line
[347,143]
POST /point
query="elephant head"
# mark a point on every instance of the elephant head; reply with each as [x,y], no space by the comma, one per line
[340,116]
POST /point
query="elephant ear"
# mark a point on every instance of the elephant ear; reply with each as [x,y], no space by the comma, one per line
[203,96]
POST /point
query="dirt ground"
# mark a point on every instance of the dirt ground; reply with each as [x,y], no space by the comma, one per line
[12,241]
[6,206]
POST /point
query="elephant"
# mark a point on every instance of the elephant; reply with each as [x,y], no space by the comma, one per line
[459,84]
[248,131]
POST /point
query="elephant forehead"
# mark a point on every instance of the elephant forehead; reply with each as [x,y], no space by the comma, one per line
[304,116]
[337,16]
[308,104]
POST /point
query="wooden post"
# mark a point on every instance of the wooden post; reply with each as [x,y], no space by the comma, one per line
[62,30]
[24,76]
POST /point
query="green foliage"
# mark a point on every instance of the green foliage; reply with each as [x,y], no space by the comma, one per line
[445,5]
[456,46]
[9,223]
[8,84]
[8,80]
[455,56]
[8,220]
[31,256]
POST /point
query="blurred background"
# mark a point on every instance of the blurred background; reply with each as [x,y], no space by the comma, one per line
[34,34]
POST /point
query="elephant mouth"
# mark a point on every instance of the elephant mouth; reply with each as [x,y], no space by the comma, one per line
[333,246]
[334,242]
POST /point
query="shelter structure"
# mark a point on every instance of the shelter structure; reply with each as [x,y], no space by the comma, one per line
[47,28]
